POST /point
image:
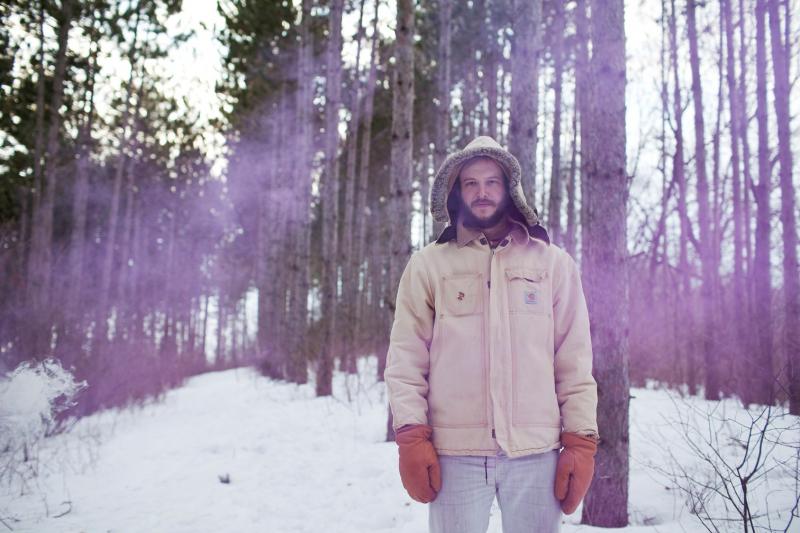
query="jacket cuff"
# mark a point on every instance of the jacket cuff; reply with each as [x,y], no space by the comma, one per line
[405,427]
[592,434]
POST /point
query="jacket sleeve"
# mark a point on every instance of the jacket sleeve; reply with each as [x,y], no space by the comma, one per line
[576,388]
[408,358]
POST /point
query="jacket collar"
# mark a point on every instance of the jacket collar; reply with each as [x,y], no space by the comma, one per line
[519,233]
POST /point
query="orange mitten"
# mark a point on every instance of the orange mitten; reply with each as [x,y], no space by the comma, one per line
[419,464]
[575,470]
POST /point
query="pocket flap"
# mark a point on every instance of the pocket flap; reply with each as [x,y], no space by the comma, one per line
[528,274]
[462,294]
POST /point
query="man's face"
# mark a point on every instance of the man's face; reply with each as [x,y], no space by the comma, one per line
[484,198]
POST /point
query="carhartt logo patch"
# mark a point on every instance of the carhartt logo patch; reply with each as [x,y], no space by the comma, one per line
[531,297]
[460,295]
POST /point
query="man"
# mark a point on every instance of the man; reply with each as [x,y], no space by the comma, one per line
[489,365]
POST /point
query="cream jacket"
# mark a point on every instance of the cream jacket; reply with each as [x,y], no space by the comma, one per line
[491,347]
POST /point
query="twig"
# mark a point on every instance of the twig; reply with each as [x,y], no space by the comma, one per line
[69,509]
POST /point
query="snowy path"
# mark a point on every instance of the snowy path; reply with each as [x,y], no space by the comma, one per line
[296,464]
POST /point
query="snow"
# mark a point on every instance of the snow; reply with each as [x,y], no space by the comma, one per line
[294,462]
[32,394]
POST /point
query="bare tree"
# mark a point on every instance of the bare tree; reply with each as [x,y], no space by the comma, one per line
[721,460]
[402,145]
[679,176]
[81,189]
[570,232]
[297,371]
[709,268]
[490,65]
[554,208]
[361,212]
[347,254]
[442,144]
[329,194]
[738,349]
[41,262]
[760,385]
[111,235]
[522,140]
[791,276]
[606,261]
[582,88]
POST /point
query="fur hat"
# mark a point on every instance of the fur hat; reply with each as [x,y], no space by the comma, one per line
[480,146]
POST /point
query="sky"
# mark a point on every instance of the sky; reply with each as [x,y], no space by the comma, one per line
[197,65]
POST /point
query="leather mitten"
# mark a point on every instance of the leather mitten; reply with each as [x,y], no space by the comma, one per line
[575,470]
[419,464]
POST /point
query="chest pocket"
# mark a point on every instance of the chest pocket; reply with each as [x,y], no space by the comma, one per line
[528,291]
[462,295]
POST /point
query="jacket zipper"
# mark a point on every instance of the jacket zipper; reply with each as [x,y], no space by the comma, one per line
[489,281]
[489,287]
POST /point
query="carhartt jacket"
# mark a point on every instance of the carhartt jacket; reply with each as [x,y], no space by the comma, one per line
[491,347]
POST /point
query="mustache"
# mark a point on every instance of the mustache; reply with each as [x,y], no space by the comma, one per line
[482,202]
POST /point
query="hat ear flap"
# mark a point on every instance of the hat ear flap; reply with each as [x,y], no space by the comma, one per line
[514,213]
[454,202]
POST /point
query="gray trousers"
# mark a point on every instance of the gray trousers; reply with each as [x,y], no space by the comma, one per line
[523,487]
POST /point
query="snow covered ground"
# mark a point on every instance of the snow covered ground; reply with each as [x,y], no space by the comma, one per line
[296,463]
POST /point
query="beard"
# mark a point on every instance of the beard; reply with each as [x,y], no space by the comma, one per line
[471,221]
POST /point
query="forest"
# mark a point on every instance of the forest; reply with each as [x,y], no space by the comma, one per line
[150,233]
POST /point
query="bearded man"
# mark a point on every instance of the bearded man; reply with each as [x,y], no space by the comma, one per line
[489,368]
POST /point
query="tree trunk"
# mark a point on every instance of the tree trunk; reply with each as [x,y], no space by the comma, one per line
[490,71]
[81,196]
[266,298]
[720,311]
[469,101]
[569,237]
[741,348]
[402,146]
[679,177]
[745,140]
[442,143]
[554,205]
[526,21]
[204,333]
[41,261]
[709,269]
[119,171]
[658,257]
[377,310]
[791,283]
[583,84]
[272,223]
[761,378]
[38,153]
[219,359]
[347,249]
[605,253]
[297,371]
[425,186]
[329,196]
[361,213]
[542,191]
